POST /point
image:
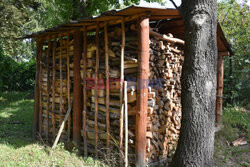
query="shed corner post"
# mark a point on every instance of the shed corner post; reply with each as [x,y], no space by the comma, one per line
[219,91]
[142,90]
[37,93]
[77,90]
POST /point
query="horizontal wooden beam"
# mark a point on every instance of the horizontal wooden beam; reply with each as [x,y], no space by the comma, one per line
[223,53]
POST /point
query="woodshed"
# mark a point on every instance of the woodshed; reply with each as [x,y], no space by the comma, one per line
[120,73]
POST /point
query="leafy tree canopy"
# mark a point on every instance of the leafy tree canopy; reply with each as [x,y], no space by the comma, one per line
[234,19]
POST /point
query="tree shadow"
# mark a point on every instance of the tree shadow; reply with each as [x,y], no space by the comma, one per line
[16,117]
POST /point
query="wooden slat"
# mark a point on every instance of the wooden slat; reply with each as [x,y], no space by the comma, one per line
[96,90]
[48,89]
[40,88]
[37,91]
[107,87]
[126,123]
[68,86]
[54,87]
[121,90]
[85,92]
[61,82]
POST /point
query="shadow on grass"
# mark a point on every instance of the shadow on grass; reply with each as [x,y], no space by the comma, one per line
[16,116]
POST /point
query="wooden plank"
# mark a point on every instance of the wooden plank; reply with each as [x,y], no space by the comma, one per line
[107,87]
[54,86]
[37,91]
[85,93]
[220,74]
[126,123]
[48,89]
[142,90]
[77,106]
[121,90]
[96,90]
[68,86]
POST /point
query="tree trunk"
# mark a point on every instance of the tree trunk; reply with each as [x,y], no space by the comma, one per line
[198,99]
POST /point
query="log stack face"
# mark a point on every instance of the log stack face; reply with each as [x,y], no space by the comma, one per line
[55,90]
[164,112]
[130,72]
[164,107]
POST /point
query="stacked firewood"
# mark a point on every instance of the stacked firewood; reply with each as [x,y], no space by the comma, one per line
[54,88]
[130,71]
[164,108]
[164,111]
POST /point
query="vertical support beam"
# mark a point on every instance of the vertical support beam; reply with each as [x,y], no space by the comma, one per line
[142,90]
[126,123]
[68,86]
[61,81]
[85,92]
[121,91]
[37,91]
[107,86]
[220,74]
[40,90]
[96,89]
[48,89]
[77,112]
[54,86]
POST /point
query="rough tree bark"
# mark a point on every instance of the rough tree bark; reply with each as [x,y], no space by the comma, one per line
[196,142]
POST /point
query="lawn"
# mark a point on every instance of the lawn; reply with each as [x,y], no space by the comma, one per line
[17,148]
[236,123]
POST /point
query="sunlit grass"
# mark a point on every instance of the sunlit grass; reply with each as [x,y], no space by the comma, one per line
[17,147]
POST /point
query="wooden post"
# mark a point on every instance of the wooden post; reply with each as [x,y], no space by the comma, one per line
[142,90]
[77,96]
[37,91]
[61,81]
[96,89]
[68,86]
[54,87]
[48,90]
[40,92]
[121,91]
[85,92]
[107,87]
[126,123]
[220,74]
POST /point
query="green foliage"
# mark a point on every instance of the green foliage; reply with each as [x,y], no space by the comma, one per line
[234,19]
[15,75]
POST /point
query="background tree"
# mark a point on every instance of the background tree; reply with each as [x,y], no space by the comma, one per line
[234,19]
[196,143]
[18,18]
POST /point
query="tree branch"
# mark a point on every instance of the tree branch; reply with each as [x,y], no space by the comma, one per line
[174,4]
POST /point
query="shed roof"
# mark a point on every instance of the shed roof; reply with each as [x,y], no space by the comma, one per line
[131,13]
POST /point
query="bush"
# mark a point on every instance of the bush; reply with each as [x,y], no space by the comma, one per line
[15,76]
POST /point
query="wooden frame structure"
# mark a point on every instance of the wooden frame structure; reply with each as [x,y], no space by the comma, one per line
[58,42]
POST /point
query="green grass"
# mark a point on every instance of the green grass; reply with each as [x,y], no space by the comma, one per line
[236,123]
[17,148]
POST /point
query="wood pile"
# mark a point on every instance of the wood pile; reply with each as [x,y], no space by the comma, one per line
[56,91]
[164,107]
[130,71]
[164,111]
